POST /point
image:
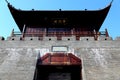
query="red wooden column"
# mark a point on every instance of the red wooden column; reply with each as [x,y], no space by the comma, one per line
[106,33]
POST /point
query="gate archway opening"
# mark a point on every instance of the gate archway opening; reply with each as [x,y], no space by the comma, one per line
[58,67]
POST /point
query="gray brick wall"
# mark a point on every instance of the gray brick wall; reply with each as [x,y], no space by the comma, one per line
[100,59]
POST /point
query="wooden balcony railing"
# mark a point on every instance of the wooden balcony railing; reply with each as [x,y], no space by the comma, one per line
[77,34]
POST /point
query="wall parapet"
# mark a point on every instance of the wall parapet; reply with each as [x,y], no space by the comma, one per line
[72,38]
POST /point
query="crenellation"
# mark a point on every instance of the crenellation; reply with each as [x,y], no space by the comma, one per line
[72,38]
[49,38]
[14,38]
[104,38]
[31,38]
[87,39]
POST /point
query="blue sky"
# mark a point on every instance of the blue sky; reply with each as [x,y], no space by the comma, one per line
[112,21]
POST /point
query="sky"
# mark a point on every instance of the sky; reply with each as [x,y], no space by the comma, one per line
[112,21]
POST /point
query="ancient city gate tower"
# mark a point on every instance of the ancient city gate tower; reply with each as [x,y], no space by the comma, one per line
[60,63]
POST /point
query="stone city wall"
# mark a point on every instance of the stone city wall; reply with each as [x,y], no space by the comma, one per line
[100,59]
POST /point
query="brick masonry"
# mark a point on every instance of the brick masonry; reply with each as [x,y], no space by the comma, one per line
[100,59]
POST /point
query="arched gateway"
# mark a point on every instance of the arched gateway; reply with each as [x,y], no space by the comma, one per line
[58,66]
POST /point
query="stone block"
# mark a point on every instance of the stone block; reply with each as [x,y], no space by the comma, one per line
[87,39]
[50,38]
[31,38]
[104,38]
[14,38]
[69,38]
